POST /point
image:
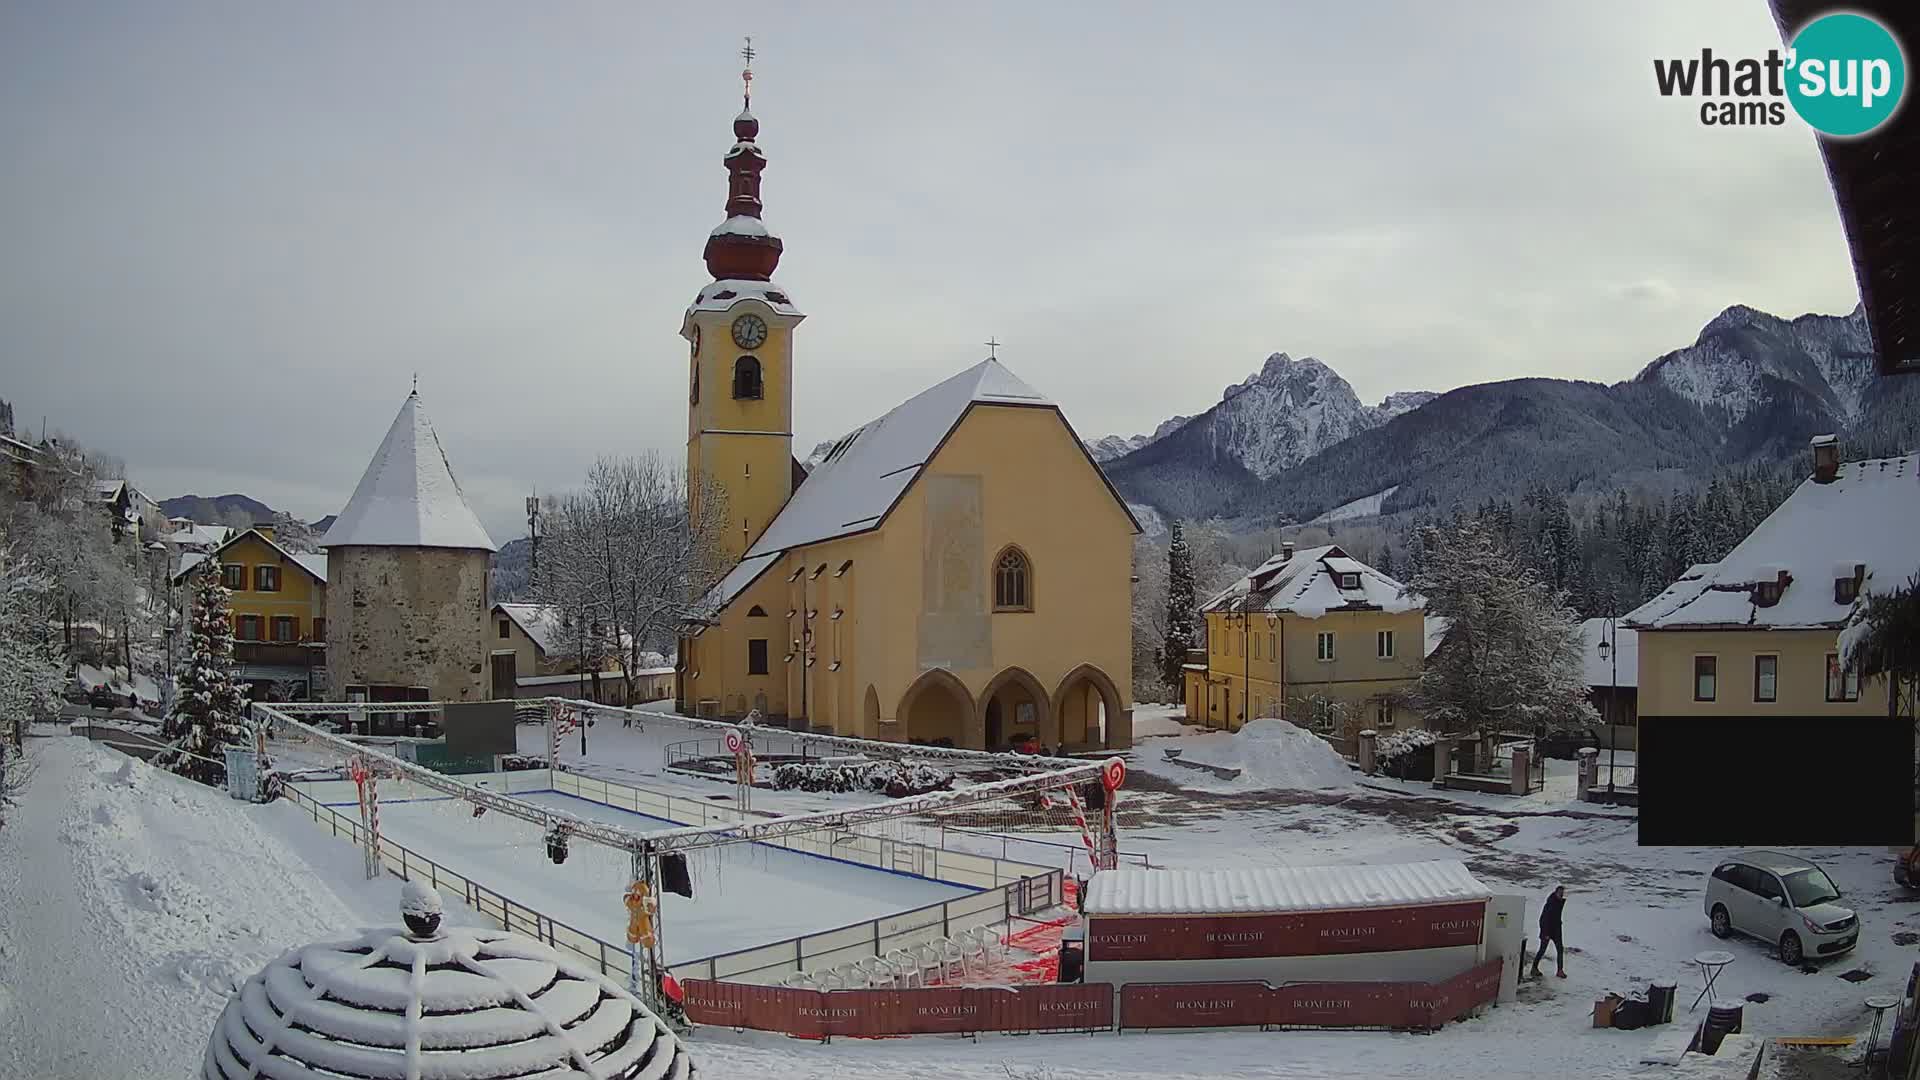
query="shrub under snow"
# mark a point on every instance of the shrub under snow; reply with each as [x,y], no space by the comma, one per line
[893,778]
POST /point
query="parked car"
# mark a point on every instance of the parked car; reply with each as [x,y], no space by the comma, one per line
[1566,742]
[1785,901]
[1906,868]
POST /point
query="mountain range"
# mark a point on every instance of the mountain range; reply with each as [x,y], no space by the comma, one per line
[1292,442]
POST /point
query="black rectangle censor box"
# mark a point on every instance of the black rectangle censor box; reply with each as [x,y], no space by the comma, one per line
[1775,781]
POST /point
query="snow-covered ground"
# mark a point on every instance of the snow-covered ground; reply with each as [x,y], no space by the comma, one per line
[128,898]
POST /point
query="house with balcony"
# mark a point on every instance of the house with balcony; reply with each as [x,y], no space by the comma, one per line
[1314,637]
[279,612]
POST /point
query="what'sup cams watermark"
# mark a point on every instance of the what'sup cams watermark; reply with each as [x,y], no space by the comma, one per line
[1844,74]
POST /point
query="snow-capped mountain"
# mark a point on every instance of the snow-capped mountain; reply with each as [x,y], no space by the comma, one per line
[1293,443]
[1746,362]
[1109,447]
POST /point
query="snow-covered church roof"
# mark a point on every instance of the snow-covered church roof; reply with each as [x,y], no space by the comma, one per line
[1307,583]
[451,1004]
[1867,515]
[408,496]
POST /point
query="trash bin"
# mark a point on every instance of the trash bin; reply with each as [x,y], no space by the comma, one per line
[1661,996]
[1722,1021]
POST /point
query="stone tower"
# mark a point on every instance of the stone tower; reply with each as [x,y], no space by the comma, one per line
[407,576]
[740,382]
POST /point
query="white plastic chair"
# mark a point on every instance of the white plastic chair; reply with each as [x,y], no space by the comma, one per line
[906,969]
[880,975]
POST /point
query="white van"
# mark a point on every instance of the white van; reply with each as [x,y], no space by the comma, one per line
[1785,901]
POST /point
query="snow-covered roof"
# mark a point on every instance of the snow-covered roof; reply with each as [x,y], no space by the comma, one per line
[312,562]
[743,574]
[1306,584]
[1139,891]
[1436,628]
[466,1003]
[207,536]
[868,470]
[1622,668]
[742,225]
[408,496]
[1869,514]
[546,625]
[723,294]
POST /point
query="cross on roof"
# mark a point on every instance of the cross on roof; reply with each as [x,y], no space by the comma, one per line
[993,349]
[747,53]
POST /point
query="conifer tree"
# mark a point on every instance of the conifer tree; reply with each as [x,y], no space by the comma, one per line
[209,710]
[1181,604]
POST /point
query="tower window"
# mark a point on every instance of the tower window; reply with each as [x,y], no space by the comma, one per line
[693,396]
[746,378]
[1012,581]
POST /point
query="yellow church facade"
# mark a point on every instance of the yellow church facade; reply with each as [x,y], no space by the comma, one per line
[955,572]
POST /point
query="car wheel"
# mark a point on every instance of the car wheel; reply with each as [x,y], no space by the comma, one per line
[1722,925]
[1790,952]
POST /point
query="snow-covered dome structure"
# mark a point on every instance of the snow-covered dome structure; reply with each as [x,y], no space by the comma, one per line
[453,1004]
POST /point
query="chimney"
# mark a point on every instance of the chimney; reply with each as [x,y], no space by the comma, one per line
[1826,458]
[1286,551]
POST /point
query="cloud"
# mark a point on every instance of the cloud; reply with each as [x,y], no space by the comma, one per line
[234,235]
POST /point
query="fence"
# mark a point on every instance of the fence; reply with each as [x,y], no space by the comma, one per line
[1007,888]
[822,1014]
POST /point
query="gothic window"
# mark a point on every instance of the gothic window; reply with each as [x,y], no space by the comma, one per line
[746,378]
[1012,581]
[756,612]
[693,397]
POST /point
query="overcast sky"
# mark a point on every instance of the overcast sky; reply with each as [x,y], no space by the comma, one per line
[231,233]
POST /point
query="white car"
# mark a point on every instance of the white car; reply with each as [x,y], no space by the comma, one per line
[1785,901]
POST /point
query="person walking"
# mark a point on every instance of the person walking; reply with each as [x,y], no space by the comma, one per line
[1550,931]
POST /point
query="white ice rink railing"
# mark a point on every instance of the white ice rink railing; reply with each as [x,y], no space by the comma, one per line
[1007,888]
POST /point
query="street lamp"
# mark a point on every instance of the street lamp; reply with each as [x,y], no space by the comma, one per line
[1610,653]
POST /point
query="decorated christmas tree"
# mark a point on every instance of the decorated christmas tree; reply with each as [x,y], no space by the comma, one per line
[209,711]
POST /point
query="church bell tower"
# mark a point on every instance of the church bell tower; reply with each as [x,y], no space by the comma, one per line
[739,332]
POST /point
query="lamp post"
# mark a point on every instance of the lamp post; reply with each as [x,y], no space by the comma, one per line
[1610,652]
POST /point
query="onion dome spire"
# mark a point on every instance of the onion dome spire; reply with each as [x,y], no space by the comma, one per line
[743,247]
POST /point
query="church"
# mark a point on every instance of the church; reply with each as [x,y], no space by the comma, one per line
[957,572]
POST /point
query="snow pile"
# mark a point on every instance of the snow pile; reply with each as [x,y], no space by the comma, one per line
[885,777]
[1274,754]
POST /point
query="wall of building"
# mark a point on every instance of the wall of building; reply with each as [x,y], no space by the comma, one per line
[918,595]
[404,616]
[299,597]
[746,445]
[1245,673]
[1666,674]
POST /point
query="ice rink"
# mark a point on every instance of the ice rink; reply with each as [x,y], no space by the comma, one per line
[743,894]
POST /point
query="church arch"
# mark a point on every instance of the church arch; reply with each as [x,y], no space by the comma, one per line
[938,707]
[870,714]
[1014,703]
[1078,703]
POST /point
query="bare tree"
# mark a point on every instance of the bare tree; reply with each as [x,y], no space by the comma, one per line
[624,553]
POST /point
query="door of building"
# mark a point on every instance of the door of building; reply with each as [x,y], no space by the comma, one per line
[505,676]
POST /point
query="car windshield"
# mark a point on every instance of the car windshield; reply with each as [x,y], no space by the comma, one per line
[1809,887]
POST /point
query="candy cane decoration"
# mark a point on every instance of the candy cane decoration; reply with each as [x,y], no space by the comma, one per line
[364,780]
[1080,819]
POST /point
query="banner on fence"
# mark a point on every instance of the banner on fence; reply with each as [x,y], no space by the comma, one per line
[1401,1005]
[934,1010]
[1307,933]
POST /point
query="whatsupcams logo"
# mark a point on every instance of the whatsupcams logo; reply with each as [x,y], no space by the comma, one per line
[1843,73]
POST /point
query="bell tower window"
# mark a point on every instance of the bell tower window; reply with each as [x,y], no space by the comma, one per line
[746,379]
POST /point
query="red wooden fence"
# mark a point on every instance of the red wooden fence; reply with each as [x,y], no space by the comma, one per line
[1308,933]
[818,1014]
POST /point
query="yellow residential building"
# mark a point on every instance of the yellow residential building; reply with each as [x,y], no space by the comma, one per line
[1314,637]
[1757,634]
[279,612]
[956,571]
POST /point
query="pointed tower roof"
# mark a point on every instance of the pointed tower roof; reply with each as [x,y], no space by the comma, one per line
[408,496]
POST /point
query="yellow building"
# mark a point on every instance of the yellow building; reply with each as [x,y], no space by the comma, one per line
[279,612]
[957,571]
[1757,634]
[1313,637]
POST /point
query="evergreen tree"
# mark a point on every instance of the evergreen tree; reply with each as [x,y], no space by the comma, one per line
[1513,655]
[208,712]
[1386,559]
[1681,544]
[1719,526]
[1181,604]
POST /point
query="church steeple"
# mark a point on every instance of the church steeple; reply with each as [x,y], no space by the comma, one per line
[743,248]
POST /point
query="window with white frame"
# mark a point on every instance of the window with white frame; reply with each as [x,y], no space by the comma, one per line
[1383,641]
[1323,645]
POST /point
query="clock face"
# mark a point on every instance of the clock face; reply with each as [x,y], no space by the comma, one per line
[749,332]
